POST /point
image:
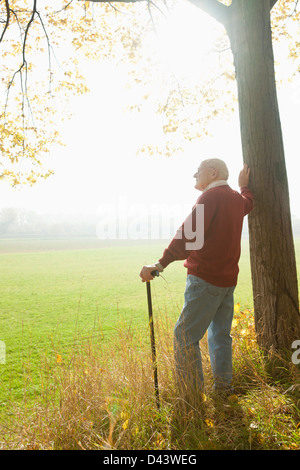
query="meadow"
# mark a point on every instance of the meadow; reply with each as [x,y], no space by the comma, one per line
[78,373]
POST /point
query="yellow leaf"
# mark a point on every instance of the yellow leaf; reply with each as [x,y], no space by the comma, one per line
[209,423]
[125,424]
[237,307]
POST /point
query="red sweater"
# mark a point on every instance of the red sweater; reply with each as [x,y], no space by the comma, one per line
[217,261]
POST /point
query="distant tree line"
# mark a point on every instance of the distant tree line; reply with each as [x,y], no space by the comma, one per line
[18,223]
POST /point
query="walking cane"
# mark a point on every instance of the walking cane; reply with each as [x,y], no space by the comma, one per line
[154,363]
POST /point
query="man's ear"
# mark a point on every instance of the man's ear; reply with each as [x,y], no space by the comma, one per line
[215,173]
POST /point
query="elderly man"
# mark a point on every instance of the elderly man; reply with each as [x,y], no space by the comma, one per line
[212,272]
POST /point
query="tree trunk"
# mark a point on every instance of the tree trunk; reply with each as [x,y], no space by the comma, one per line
[273,265]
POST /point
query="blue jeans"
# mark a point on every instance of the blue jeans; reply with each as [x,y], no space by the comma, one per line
[206,308]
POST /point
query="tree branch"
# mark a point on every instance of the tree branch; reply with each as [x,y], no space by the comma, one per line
[214,8]
[272,3]
[62,9]
[7,19]
[49,47]
[23,65]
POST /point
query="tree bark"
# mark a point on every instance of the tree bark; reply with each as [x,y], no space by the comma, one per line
[273,265]
[272,3]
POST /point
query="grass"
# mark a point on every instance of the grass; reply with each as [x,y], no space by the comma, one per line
[48,298]
[78,373]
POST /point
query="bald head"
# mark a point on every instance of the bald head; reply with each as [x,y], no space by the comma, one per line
[210,170]
[219,165]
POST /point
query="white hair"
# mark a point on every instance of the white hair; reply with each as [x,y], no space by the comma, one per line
[219,165]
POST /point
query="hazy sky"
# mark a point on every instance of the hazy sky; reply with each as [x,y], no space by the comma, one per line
[99,164]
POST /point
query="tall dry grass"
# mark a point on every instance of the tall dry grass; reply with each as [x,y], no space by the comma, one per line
[101,396]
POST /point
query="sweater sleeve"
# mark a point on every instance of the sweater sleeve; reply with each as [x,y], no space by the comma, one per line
[189,234]
[176,249]
[248,199]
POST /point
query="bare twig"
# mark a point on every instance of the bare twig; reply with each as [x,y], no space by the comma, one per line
[62,9]
[116,9]
[22,66]
[295,9]
[7,19]
[49,49]
[151,16]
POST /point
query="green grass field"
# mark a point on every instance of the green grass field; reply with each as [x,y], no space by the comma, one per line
[58,293]
[55,291]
